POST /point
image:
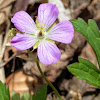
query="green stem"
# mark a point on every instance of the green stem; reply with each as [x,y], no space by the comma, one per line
[49,83]
[31,55]
[39,68]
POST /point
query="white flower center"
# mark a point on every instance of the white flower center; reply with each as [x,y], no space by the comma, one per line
[40,35]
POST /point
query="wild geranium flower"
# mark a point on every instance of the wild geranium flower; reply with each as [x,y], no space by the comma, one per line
[43,33]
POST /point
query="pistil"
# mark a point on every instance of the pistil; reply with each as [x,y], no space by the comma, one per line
[40,35]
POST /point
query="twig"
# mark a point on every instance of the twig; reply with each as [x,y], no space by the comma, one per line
[14,55]
[2,72]
[5,39]
[3,64]
[1,42]
[13,67]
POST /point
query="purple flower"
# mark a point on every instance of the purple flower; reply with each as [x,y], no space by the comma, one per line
[42,33]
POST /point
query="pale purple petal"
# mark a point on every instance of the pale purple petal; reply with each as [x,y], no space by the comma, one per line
[47,14]
[23,22]
[62,32]
[48,52]
[23,41]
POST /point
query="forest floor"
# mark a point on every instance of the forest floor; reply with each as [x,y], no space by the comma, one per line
[22,74]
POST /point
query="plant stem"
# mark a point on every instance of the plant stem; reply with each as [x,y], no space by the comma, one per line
[31,55]
[49,83]
[39,68]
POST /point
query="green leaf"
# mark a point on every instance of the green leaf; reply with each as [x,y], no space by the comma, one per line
[91,32]
[42,94]
[92,24]
[80,25]
[94,42]
[4,92]
[15,96]
[26,96]
[87,71]
[89,64]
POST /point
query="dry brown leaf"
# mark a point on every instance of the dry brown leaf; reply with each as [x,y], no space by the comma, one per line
[20,82]
[34,1]
[1,1]
[77,95]
[88,54]
[2,18]
[6,3]
[4,13]
[19,5]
